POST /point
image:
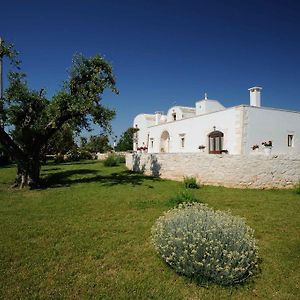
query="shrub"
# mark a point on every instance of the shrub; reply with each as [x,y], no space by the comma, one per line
[73,155]
[297,188]
[59,158]
[121,159]
[190,183]
[111,161]
[83,154]
[205,244]
[182,197]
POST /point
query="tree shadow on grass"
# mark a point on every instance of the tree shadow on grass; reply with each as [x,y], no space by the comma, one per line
[51,169]
[79,162]
[8,166]
[70,177]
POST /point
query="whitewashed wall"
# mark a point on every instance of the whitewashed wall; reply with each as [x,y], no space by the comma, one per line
[143,121]
[196,129]
[267,124]
[242,171]
[177,110]
[208,106]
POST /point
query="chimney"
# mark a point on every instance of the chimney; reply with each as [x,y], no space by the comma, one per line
[255,96]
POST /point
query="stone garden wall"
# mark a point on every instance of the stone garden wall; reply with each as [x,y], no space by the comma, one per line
[251,171]
[103,156]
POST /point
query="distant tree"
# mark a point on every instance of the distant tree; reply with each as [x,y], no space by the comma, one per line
[31,120]
[99,144]
[62,141]
[83,142]
[96,143]
[125,142]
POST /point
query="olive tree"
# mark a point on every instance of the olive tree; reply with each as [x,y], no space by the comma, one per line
[31,119]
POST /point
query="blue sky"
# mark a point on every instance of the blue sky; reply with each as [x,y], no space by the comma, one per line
[164,52]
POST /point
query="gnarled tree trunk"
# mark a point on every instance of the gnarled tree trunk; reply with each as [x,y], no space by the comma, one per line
[28,173]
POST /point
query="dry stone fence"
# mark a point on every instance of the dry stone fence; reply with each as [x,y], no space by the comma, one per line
[244,171]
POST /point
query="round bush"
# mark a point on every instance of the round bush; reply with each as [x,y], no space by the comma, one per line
[121,159]
[190,183]
[111,161]
[199,242]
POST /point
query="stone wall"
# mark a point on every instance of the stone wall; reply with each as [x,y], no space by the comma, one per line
[244,171]
[103,156]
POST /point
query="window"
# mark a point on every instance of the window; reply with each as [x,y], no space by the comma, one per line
[164,142]
[151,143]
[182,142]
[174,116]
[215,140]
[290,140]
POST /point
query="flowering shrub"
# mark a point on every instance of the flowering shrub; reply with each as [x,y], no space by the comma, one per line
[77,154]
[254,147]
[190,183]
[199,242]
[224,151]
[145,149]
[267,144]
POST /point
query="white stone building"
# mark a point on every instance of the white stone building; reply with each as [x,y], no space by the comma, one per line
[211,128]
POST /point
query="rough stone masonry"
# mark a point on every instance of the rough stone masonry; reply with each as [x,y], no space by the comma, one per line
[242,171]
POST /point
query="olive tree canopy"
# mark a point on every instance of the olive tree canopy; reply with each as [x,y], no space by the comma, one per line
[31,119]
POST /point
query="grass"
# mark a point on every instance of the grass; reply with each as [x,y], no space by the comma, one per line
[183,196]
[86,234]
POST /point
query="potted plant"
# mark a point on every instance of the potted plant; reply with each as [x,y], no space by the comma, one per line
[267,147]
[142,149]
[145,149]
[255,148]
[224,151]
[201,147]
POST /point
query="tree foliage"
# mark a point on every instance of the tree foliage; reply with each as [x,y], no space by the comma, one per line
[98,143]
[62,141]
[34,119]
[125,142]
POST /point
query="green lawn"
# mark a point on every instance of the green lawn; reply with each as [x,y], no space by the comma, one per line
[87,235]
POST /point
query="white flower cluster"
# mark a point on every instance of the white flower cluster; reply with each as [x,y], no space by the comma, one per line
[199,242]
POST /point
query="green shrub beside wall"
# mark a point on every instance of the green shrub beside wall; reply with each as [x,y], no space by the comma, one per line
[114,160]
[111,161]
[190,183]
[297,188]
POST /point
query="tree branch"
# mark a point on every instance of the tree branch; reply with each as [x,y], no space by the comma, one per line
[50,130]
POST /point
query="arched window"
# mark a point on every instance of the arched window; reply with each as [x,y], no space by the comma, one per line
[164,142]
[215,142]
